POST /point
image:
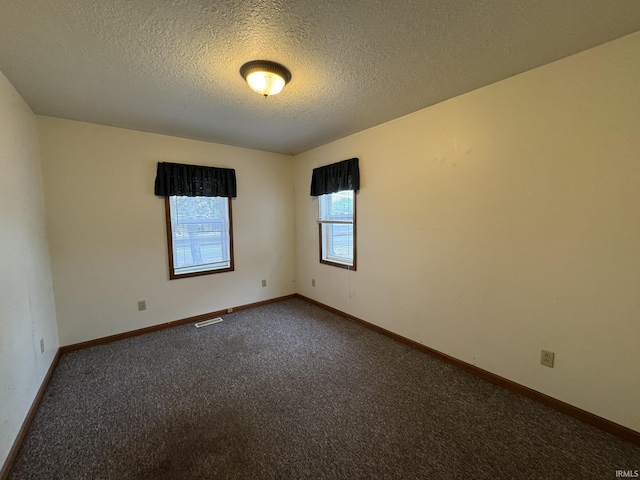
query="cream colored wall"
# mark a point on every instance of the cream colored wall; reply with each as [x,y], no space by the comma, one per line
[107,229]
[27,311]
[503,222]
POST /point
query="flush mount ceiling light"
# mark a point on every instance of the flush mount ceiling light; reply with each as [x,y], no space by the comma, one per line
[265,77]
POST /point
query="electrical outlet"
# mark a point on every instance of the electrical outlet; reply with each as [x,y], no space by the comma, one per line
[229,310]
[546,358]
[142,305]
[313,282]
[264,283]
[42,345]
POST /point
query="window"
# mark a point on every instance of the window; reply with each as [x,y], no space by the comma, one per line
[198,217]
[336,186]
[199,233]
[337,229]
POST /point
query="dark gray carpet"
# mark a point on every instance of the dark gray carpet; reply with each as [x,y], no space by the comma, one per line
[289,391]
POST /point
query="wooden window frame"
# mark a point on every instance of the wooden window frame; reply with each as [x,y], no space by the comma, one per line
[172,274]
[355,240]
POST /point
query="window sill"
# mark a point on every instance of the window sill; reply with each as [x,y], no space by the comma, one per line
[339,264]
[175,276]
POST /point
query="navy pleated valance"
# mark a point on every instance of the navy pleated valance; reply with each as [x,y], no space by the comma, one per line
[176,179]
[333,178]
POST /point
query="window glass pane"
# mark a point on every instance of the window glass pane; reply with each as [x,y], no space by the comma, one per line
[200,234]
[337,206]
[341,242]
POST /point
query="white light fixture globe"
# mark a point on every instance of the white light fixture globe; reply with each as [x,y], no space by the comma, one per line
[265,77]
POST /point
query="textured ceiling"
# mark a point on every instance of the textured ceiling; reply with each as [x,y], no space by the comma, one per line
[171,67]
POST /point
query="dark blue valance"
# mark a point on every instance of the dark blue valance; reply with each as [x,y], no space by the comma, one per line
[176,179]
[333,178]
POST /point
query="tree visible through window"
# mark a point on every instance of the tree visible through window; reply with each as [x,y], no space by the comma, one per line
[200,235]
[337,229]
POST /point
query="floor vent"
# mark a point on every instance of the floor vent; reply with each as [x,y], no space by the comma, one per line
[208,322]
